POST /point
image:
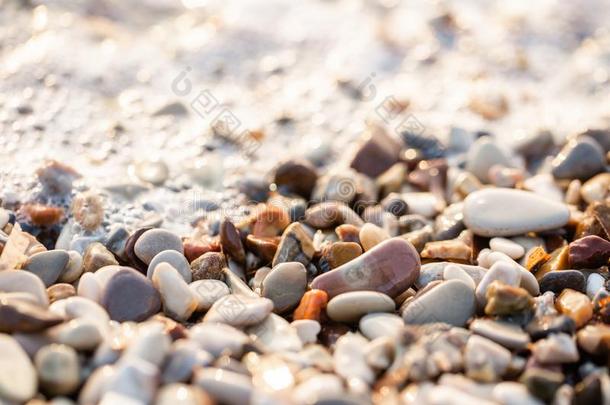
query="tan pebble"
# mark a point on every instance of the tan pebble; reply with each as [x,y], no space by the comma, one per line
[573,192]
[348,233]
[371,235]
[178,300]
[447,250]
[88,210]
[595,339]
[575,305]
[269,220]
[60,291]
[73,269]
[503,299]
[596,188]
[97,256]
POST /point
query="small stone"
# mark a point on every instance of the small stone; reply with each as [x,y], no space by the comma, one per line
[596,188]
[449,223]
[135,379]
[508,335]
[508,247]
[263,247]
[179,303]
[507,212]
[380,324]
[22,316]
[173,258]
[390,181]
[390,268]
[42,215]
[573,192]
[348,233]
[432,306]
[424,203]
[435,271]
[129,296]
[377,152]
[307,329]
[371,235]
[285,285]
[239,310]
[210,265]
[500,271]
[329,214]
[60,291]
[73,269]
[269,220]
[97,256]
[595,282]
[454,272]
[295,246]
[541,382]
[80,334]
[558,260]
[47,265]
[207,292]
[447,250]
[154,241]
[23,281]
[467,183]
[350,358]
[182,394]
[224,386]
[485,360]
[88,210]
[595,339]
[351,306]
[556,348]
[338,253]
[536,258]
[545,186]
[557,281]
[152,171]
[195,248]
[502,176]
[575,305]
[219,338]
[503,299]
[541,327]
[311,306]
[394,204]
[230,241]
[580,159]
[484,154]
[18,381]
[589,252]
[296,176]
[58,369]
[275,335]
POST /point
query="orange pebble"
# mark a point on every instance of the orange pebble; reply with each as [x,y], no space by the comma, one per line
[42,215]
[311,305]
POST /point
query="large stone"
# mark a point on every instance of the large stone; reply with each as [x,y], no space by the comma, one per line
[285,285]
[47,265]
[377,152]
[18,381]
[580,158]
[130,296]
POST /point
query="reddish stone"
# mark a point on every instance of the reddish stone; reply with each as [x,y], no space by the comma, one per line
[589,252]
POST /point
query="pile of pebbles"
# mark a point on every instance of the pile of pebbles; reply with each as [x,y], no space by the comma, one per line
[414,274]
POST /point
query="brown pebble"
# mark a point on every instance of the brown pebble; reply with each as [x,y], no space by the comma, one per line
[296,176]
[230,241]
[42,215]
[447,250]
[97,256]
[263,247]
[130,296]
[23,316]
[595,221]
[132,259]
[377,152]
[331,213]
[269,220]
[557,261]
[60,291]
[589,252]
[311,306]
[339,253]
[194,248]
[210,265]
[348,233]
[576,305]
[536,258]
[504,299]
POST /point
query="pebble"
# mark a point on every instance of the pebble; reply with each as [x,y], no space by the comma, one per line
[296,176]
[209,265]
[557,281]
[371,235]
[339,253]
[503,299]
[596,188]
[18,381]
[542,326]
[154,241]
[80,334]
[88,210]
[239,310]
[513,393]
[485,360]
[447,250]
[60,291]
[589,252]
[436,270]
[541,382]
[231,243]
[545,186]
[379,324]
[179,302]
[182,394]
[331,213]
[275,334]
[349,307]
[23,281]
[151,171]
[508,212]
[73,269]
[285,285]
[217,338]
[484,154]
[454,272]
[508,247]
[47,265]
[129,296]
[556,348]
[311,306]
[307,329]
[58,369]
[506,334]
[595,282]
[135,379]
[500,271]
[449,223]
[376,153]
[269,220]
[175,259]
[224,386]
[184,356]
[452,302]
[390,268]
[207,292]
[350,358]
[423,203]
[575,305]
[295,246]
[22,316]
[97,256]
[580,158]
[595,339]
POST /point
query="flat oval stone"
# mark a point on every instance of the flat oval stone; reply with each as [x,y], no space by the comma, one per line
[381,325]
[47,265]
[451,302]
[559,280]
[508,335]
[285,285]
[175,259]
[58,369]
[390,268]
[580,158]
[18,381]
[73,269]
[23,281]
[207,292]
[225,386]
[22,316]
[351,306]
[80,333]
[130,296]
[184,357]
[179,303]
[372,235]
[154,241]
[508,212]
[508,247]
[239,310]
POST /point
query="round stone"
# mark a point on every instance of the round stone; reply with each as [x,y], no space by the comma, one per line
[484,154]
[285,285]
[451,302]
[18,381]
[60,291]
[239,310]
[455,272]
[155,241]
[307,329]
[351,306]
[150,171]
[23,281]
[47,265]
[79,333]
[381,325]
[182,394]
[507,246]
[371,235]
[559,280]
[129,296]
[508,335]
[225,386]
[580,158]
[58,369]
[179,302]
[175,259]
[391,267]
[508,212]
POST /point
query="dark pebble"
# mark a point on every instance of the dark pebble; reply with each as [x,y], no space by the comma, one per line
[209,266]
[540,328]
[377,153]
[559,280]
[230,241]
[395,205]
[22,316]
[589,252]
[296,176]
[130,296]
[429,146]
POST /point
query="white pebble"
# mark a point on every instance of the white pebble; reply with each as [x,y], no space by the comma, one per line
[454,272]
[507,246]
[595,282]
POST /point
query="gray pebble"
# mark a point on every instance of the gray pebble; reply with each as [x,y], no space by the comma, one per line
[155,241]
[58,369]
[351,306]
[285,285]
[175,259]
[47,265]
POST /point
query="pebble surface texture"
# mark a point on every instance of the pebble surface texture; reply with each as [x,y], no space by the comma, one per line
[265,202]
